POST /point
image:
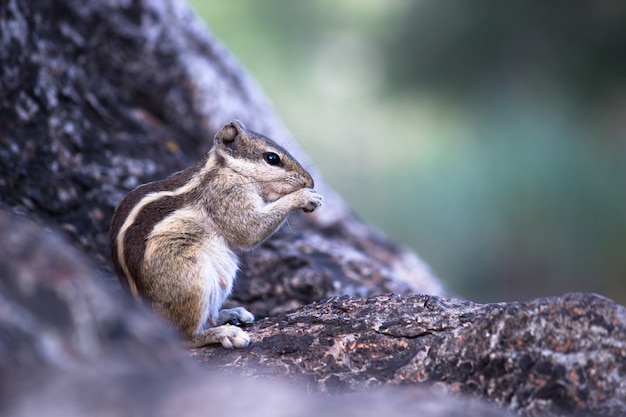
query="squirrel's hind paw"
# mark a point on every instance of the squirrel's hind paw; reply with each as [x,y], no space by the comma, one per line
[237,316]
[233,337]
[227,336]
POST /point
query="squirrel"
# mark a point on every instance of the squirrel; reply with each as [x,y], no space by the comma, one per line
[173,241]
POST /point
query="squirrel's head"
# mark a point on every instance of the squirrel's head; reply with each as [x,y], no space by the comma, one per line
[261,160]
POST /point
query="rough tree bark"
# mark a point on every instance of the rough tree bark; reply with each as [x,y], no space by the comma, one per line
[558,355]
[98,97]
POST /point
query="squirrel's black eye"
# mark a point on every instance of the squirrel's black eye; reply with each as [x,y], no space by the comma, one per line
[271,158]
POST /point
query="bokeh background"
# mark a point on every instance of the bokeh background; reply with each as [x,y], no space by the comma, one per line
[489,136]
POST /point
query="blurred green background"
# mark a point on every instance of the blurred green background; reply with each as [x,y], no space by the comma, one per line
[489,136]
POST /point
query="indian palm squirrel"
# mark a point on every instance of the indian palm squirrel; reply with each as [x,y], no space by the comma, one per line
[173,241]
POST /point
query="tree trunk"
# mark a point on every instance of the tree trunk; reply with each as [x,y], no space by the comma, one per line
[99,97]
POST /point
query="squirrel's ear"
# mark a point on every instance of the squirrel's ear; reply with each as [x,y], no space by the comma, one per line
[229,133]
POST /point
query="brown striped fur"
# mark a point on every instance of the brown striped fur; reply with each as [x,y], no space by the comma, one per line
[172,240]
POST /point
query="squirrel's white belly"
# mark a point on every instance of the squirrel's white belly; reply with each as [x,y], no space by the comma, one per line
[218,268]
[181,249]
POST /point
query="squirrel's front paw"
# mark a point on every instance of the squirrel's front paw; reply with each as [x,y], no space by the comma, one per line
[312,200]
